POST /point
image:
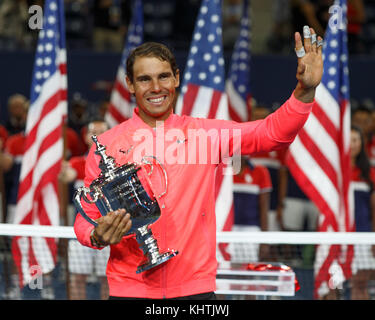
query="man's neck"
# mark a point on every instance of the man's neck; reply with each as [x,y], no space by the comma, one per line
[151,120]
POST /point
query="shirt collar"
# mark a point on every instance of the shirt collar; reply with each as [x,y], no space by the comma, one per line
[139,123]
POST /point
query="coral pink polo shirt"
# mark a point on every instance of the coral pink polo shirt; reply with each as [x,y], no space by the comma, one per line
[187,221]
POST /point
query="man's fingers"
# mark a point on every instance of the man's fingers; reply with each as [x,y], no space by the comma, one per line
[307,38]
[298,41]
[299,49]
[114,219]
[313,40]
[122,228]
[319,45]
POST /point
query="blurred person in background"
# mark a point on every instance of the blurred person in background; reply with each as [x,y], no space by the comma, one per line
[78,118]
[314,13]
[18,107]
[3,139]
[84,261]
[272,161]
[10,163]
[295,213]
[251,200]
[362,118]
[232,13]
[356,18]
[3,240]
[78,113]
[371,148]
[14,16]
[290,15]
[111,18]
[279,37]
[362,183]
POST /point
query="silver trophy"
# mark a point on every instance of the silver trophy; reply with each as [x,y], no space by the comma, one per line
[119,187]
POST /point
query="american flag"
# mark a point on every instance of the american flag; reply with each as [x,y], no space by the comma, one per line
[122,103]
[203,95]
[319,158]
[238,83]
[38,199]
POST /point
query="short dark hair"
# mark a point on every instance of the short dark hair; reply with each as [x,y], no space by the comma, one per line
[150,49]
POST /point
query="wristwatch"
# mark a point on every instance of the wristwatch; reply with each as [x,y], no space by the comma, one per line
[95,241]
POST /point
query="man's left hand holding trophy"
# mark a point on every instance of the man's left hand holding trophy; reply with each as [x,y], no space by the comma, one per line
[111,228]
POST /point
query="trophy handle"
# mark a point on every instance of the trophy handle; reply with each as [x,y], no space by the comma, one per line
[144,160]
[81,193]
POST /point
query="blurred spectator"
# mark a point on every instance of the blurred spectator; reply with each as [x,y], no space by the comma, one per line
[312,13]
[251,199]
[83,261]
[296,212]
[78,23]
[272,161]
[10,162]
[78,113]
[279,39]
[74,143]
[101,109]
[371,144]
[232,13]
[18,106]
[291,15]
[111,19]
[361,118]
[356,19]
[362,182]
[14,24]
[368,28]
[3,137]
[158,20]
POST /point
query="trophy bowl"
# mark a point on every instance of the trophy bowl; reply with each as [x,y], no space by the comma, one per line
[119,187]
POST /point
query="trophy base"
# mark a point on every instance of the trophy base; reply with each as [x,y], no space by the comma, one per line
[161,259]
[150,249]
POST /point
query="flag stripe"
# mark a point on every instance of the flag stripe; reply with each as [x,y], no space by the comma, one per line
[321,202]
[216,97]
[39,180]
[121,101]
[325,121]
[319,157]
[117,117]
[189,98]
[33,155]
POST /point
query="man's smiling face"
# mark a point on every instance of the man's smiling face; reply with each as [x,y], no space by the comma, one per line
[154,86]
